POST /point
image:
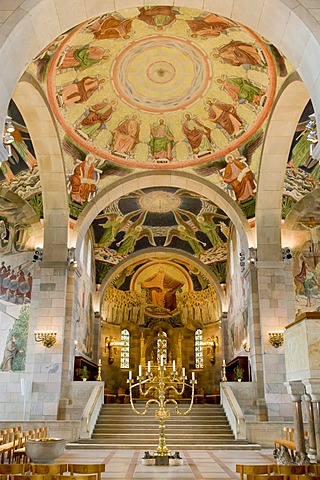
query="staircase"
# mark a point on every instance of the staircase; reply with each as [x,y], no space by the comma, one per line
[205,427]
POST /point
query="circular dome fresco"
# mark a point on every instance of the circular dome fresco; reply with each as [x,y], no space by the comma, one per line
[161,87]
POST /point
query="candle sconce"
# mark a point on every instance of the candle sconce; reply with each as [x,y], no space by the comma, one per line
[276,339]
[212,343]
[48,339]
[245,345]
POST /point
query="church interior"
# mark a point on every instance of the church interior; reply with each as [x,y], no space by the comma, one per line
[159,211]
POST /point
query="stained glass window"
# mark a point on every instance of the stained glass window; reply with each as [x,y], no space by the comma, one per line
[198,351]
[125,349]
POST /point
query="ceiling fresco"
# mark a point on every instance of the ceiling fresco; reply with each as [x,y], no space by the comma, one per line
[161,217]
[161,87]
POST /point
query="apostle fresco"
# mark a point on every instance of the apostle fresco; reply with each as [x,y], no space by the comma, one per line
[197,133]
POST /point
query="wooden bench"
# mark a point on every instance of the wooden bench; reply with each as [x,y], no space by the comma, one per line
[288,440]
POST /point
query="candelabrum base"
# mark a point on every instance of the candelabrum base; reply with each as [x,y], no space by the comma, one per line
[162,460]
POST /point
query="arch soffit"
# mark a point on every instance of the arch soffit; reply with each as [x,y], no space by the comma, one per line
[282,124]
[168,178]
[36,113]
[159,253]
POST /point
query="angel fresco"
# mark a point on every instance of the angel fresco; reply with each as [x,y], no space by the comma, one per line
[210,26]
[116,222]
[134,233]
[238,54]
[109,27]
[159,16]
[205,223]
[185,232]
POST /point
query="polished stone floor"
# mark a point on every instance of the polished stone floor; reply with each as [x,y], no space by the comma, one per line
[197,464]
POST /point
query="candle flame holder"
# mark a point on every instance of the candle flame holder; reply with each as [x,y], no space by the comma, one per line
[159,382]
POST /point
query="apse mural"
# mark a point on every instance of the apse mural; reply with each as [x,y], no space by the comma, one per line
[160,217]
[166,289]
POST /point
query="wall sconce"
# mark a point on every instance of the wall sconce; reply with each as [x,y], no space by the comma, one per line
[72,257]
[212,343]
[242,259]
[245,345]
[286,254]
[37,256]
[8,139]
[111,345]
[252,255]
[276,339]
[48,339]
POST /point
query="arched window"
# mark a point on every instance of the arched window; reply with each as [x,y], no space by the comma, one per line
[162,347]
[125,349]
[198,351]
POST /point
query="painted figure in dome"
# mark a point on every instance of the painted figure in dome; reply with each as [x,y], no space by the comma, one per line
[162,289]
[83,180]
[80,91]
[108,27]
[197,133]
[126,135]
[238,53]
[95,118]
[159,16]
[240,177]
[205,223]
[81,57]
[241,90]
[224,115]
[210,26]
[162,140]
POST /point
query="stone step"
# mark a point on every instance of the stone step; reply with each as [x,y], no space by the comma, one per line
[96,445]
[192,428]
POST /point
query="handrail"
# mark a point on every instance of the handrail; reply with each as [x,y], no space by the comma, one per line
[91,411]
[233,412]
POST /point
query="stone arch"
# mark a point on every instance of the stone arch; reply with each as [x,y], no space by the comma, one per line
[158,253]
[36,113]
[284,118]
[168,178]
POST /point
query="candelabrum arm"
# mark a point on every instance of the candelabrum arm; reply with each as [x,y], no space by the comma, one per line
[152,400]
[178,411]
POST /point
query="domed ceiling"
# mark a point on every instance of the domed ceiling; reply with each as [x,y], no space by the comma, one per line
[161,86]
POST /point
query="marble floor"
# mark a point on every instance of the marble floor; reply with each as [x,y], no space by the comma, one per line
[197,464]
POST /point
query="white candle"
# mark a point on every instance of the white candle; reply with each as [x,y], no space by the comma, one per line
[149,366]
[99,361]
[174,365]
[193,376]
[140,370]
[183,371]
[161,361]
[130,375]
[223,362]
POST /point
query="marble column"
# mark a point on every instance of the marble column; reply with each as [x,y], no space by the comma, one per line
[296,390]
[313,389]
[311,427]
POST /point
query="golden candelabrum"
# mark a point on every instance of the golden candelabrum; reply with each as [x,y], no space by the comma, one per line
[158,382]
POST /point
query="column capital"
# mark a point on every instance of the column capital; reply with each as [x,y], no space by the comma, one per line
[295,390]
[313,389]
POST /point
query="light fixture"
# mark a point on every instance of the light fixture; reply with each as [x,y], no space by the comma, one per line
[72,257]
[111,345]
[245,345]
[37,256]
[7,137]
[242,261]
[276,339]
[286,254]
[212,343]
[252,257]
[48,339]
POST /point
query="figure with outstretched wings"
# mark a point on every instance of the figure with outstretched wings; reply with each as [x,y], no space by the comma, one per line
[114,224]
[134,233]
[205,223]
[185,232]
